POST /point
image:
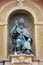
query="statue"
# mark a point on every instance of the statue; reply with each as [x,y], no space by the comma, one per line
[21,38]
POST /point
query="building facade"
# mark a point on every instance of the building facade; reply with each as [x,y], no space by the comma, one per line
[33,15]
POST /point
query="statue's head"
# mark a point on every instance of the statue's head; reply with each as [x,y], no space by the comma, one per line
[21,22]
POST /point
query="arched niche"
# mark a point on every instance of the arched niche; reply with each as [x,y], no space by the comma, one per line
[29,23]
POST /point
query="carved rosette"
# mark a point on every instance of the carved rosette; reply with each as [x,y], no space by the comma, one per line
[20,3]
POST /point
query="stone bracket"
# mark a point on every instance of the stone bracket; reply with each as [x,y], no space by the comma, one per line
[21,59]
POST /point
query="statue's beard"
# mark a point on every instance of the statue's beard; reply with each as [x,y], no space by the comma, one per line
[21,27]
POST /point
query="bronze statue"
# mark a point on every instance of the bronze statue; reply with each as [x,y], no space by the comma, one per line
[21,38]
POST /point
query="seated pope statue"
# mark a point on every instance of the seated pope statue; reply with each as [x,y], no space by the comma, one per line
[21,38]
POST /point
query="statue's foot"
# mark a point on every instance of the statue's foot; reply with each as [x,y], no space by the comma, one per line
[28,52]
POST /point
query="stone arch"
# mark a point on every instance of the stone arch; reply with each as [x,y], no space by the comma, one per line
[10,7]
[23,8]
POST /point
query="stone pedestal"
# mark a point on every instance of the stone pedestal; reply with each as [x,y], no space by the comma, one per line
[21,59]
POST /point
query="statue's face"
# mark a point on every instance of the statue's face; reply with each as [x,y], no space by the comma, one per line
[21,22]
